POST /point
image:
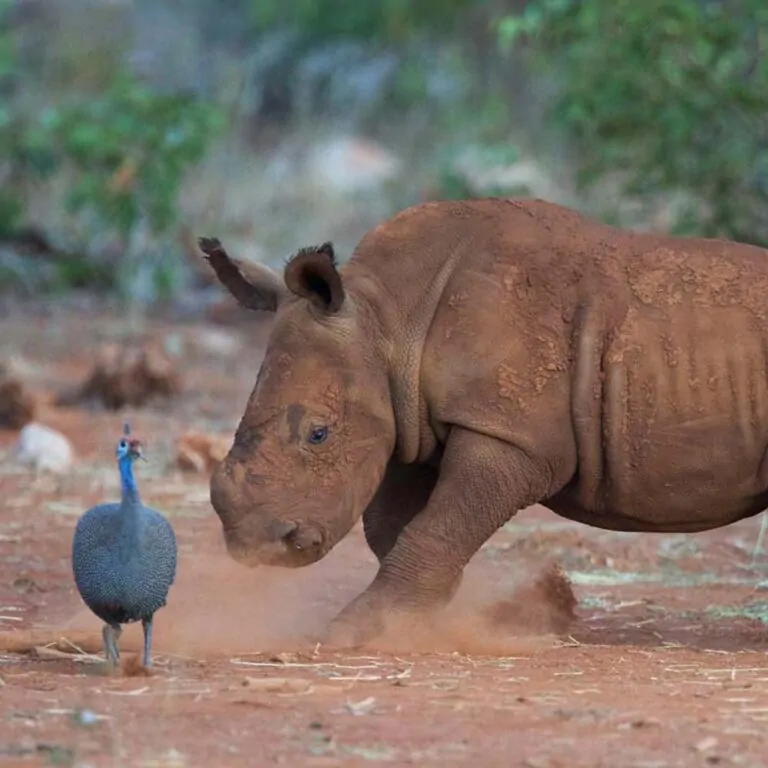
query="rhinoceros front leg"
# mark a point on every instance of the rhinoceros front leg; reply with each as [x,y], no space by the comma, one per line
[483,482]
[403,493]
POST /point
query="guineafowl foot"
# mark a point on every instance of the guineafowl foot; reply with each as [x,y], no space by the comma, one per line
[147,625]
[111,634]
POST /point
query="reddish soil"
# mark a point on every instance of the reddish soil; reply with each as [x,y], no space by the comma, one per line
[666,663]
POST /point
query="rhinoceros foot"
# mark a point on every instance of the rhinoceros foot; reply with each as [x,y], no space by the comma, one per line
[359,623]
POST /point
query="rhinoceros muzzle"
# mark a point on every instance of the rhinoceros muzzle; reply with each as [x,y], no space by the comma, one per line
[286,544]
[254,535]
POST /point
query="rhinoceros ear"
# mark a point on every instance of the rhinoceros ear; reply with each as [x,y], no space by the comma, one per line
[255,286]
[312,274]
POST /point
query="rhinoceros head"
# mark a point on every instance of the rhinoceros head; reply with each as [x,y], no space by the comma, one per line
[318,429]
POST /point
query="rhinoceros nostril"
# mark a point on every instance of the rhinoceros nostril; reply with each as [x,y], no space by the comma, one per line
[290,541]
[304,539]
[280,531]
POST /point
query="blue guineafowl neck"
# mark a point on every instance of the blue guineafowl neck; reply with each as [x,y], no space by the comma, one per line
[127,481]
[130,507]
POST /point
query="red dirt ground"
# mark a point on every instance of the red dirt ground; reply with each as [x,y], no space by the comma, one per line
[665,665]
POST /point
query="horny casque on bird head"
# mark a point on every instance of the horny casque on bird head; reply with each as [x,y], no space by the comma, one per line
[129,446]
[318,428]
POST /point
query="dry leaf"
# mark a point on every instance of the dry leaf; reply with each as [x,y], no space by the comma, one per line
[287,657]
[277,684]
[198,452]
[43,652]
[364,707]
[255,703]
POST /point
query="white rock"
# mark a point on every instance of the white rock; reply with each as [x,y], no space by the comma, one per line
[44,448]
[523,177]
[218,342]
[350,164]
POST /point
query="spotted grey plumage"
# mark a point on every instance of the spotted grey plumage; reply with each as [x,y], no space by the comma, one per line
[124,557]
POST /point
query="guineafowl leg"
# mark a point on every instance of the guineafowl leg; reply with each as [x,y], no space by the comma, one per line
[111,634]
[147,625]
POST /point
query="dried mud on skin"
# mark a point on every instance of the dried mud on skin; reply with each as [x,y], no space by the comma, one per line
[565,646]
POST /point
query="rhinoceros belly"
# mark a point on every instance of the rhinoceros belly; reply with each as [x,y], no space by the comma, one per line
[673,432]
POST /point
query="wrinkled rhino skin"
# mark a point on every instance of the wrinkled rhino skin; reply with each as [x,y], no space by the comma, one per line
[475,357]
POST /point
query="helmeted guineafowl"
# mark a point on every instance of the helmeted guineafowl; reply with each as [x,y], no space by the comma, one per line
[124,557]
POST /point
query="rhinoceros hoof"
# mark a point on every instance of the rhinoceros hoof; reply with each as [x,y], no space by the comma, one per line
[345,634]
[359,623]
[349,632]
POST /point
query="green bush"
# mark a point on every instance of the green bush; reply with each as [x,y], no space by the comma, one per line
[20,154]
[384,21]
[124,153]
[129,149]
[672,93]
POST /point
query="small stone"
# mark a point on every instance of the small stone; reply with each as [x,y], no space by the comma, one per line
[218,342]
[351,164]
[44,448]
[364,707]
[706,744]
[645,722]
[86,717]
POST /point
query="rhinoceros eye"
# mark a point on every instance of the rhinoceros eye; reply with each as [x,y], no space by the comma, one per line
[318,435]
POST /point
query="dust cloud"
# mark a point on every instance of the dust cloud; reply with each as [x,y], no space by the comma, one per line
[218,608]
[515,607]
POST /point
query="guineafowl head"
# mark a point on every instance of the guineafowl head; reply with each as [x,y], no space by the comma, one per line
[129,448]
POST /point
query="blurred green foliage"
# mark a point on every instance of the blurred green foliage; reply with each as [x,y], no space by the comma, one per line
[454,185]
[671,96]
[443,78]
[129,149]
[10,206]
[124,151]
[391,21]
[375,62]
[672,93]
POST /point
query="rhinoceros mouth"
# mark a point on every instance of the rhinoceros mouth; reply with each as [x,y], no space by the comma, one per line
[297,547]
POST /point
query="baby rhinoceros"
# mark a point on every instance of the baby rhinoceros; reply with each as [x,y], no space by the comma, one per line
[473,358]
[124,557]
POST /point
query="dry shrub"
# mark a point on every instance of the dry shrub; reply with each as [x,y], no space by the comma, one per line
[127,375]
[17,405]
